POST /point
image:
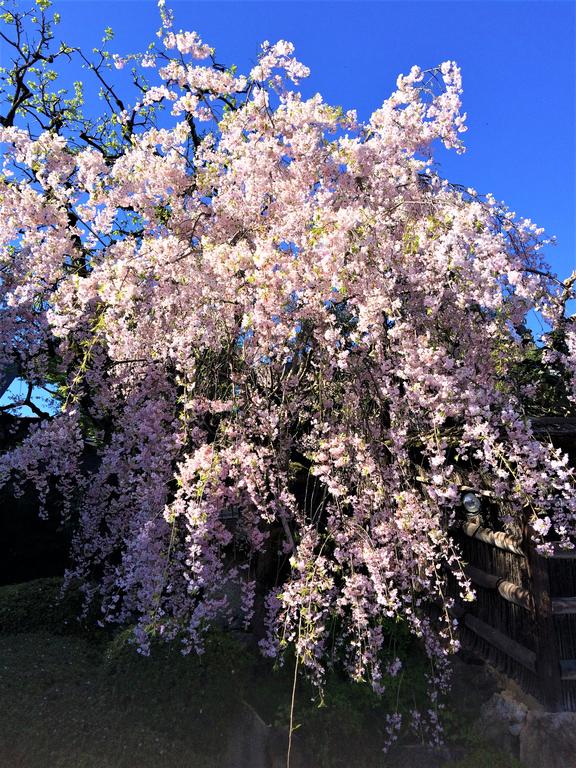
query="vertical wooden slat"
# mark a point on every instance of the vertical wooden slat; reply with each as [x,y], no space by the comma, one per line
[548,660]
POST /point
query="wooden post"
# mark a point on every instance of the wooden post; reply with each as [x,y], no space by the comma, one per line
[548,667]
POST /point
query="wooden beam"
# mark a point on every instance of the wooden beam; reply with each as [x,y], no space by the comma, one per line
[497,539]
[506,589]
[502,642]
[515,594]
[563,554]
[481,578]
[562,605]
[554,426]
[568,669]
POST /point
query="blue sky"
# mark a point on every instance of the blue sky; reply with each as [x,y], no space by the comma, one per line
[517,57]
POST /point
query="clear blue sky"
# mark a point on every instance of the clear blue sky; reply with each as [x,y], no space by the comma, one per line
[517,57]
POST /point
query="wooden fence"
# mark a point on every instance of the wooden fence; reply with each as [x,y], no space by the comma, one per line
[524,618]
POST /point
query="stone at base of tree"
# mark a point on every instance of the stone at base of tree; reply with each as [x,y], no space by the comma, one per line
[247,742]
[254,744]
[502,719]
[548,740]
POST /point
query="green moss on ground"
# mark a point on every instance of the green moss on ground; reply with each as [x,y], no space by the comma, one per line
[75,697]
[37,606]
